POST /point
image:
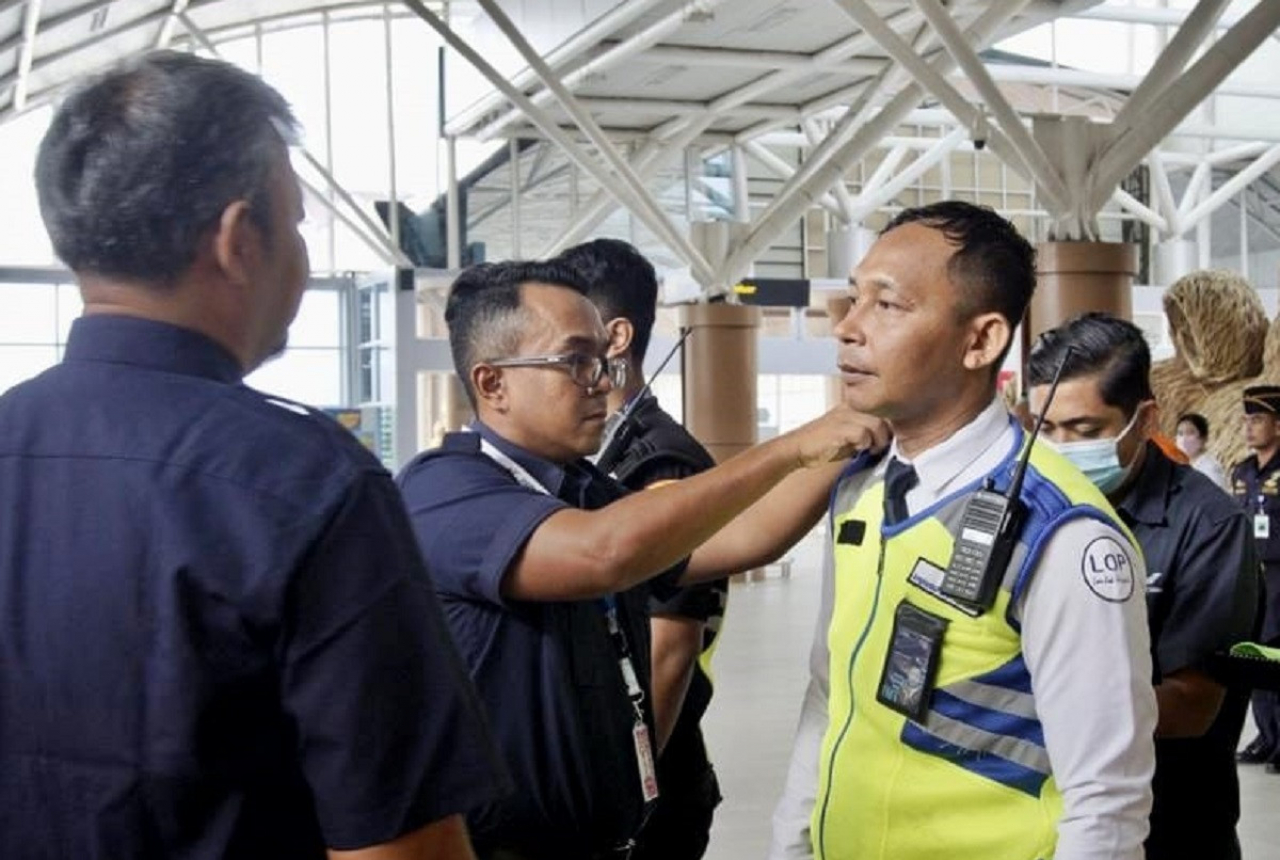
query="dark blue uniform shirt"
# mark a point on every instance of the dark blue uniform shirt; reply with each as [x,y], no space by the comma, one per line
[547,672]
[1202,597]
[217,639]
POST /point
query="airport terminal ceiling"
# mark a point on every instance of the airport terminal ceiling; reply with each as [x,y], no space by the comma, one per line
[758,110]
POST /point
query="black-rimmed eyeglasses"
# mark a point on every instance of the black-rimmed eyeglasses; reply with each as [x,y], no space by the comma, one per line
[585,370]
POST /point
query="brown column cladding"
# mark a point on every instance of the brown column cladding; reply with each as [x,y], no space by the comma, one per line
[720,376]
[1074,277]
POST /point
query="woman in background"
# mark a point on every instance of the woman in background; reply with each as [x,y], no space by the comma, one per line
[1192,438]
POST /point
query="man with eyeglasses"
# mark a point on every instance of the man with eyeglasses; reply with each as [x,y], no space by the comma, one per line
[545,567]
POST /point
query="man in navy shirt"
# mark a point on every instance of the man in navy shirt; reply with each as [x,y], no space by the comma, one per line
[217,638]
[1202,571]
[1255,483]
[542,564]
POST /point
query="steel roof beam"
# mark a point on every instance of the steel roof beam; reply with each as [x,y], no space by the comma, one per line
[783,213]
[170,23]
[1169,65]
[642,204]
[1183,95]
[621,15]
[1032,155]
[30,27]
[646,38]
[778,166]
[933,80]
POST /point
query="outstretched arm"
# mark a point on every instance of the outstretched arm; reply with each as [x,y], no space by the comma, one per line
[575,554]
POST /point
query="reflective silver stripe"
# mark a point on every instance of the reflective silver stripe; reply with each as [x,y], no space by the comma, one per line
[964,735]
[995,698]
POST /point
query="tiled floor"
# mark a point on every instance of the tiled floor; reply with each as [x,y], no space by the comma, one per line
[761,670]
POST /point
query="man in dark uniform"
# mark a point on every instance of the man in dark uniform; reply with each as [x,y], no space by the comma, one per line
[217,637]
[646,447]
[1255,482]
[543,566]
[1202,575]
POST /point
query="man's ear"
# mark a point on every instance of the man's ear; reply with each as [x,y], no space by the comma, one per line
[237,242]
[989,334]
[490,387]
[621,333]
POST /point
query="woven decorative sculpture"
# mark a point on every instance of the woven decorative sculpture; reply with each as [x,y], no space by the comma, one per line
[1223,344]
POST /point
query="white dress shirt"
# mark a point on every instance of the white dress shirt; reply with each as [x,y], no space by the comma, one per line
[1089,659]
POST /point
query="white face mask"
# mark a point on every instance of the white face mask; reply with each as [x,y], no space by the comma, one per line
[1190,444]
[1099,459]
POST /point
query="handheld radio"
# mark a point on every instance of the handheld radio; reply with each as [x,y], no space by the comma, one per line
[608,459]
[989,528]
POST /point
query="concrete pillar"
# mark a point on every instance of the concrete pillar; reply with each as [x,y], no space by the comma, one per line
[846,246]
[720,376]
[1173,259]
[1074,277]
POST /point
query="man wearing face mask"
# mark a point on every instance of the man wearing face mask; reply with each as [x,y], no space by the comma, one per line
[1202,582]
[1254,483]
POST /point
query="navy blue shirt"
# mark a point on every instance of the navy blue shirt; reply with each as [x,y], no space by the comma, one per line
[547,672]
[217,638]
[1202,597]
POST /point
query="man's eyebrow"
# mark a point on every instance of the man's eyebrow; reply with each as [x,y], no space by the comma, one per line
[1078,421]
[582,343]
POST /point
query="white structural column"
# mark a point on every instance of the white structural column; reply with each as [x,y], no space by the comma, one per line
[27,54]
[643,205]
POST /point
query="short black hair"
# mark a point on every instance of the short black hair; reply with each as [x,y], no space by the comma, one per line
[484,312]
[140,162]
[1196,420]
[621,283]
[1102,345]
[993,265]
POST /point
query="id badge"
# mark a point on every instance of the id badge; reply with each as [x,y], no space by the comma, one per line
[906,681]
[644,757]
[1261,526]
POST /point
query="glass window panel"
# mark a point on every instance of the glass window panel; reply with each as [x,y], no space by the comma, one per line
[319,320]
[23,240]
[311,376]
[19,363]
[30,313]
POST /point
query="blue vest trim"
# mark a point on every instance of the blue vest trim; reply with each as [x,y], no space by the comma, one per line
[982,763]
[1013,675]
[987,719]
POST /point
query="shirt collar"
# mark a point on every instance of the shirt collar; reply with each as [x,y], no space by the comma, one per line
[552,476]
[1147,499]
[940,465]
[120,339]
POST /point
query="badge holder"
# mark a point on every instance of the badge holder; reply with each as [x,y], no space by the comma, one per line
[906,681]
[648,771]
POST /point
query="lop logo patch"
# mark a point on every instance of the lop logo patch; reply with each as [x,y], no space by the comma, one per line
[1108,570]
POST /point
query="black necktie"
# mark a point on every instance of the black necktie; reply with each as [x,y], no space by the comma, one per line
[899,478]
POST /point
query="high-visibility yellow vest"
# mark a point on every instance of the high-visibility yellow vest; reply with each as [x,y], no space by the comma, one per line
[973,780]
